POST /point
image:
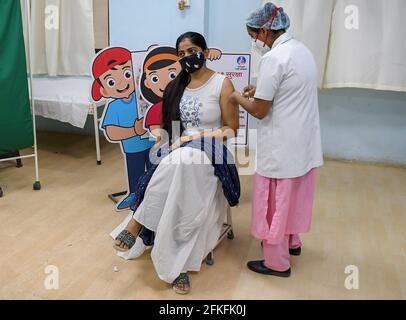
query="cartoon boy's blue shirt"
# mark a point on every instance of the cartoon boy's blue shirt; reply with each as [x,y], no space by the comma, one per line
[123,114]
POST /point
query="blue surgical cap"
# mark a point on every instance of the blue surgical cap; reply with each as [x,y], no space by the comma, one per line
[258,18]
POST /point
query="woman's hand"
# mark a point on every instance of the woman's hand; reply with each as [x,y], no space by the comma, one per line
[249,91]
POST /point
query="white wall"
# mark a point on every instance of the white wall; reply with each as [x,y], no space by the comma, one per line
[357,124]
[136,24]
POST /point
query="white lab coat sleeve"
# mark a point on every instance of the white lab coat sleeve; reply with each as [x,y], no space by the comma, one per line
[270,76]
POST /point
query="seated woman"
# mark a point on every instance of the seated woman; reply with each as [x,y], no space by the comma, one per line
[184,202]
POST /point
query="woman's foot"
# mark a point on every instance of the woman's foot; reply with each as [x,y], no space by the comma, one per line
[295,251]
[126,203]
[126,239]
[181,285]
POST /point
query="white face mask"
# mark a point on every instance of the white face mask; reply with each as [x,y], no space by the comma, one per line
[260,47]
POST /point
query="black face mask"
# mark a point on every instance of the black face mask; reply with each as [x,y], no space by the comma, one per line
[193,62]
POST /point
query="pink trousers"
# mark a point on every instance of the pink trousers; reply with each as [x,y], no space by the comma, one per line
[281,210]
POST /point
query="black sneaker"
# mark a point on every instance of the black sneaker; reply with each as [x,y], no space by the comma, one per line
[259,267]
[295,252]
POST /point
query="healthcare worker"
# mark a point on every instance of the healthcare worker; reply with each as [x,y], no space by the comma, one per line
[288,139]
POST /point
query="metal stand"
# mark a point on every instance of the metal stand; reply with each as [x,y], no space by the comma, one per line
[37,183]
[93,110]
[16,155]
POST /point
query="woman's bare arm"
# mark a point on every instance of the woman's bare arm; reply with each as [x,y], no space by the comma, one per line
[229,115]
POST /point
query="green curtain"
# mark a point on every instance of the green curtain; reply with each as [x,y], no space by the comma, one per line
[16,131]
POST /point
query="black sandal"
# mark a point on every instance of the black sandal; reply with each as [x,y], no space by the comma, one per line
[181,285]
[127,238]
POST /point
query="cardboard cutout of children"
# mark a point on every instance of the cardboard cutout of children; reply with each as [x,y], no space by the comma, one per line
[121,122]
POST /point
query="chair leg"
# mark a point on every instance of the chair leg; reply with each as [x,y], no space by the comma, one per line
[230,234]
[209,259]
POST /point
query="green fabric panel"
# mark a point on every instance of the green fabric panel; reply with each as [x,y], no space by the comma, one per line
[16,131]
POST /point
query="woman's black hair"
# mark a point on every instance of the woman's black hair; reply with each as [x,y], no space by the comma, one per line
[175,89]
[148,94]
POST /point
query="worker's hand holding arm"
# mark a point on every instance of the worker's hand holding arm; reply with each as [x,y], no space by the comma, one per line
[257,108]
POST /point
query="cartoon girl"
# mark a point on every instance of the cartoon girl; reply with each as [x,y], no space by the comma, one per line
[160,67]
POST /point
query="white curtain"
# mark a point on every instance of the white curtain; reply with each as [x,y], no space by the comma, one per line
[62,36]
[368,45]
[310,22]
[356,43]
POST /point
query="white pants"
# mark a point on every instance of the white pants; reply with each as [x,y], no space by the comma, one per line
[185,205]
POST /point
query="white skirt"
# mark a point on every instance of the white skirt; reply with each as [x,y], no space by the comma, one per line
[185,205]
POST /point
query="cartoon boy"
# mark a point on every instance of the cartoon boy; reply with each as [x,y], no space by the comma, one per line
[113,73]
